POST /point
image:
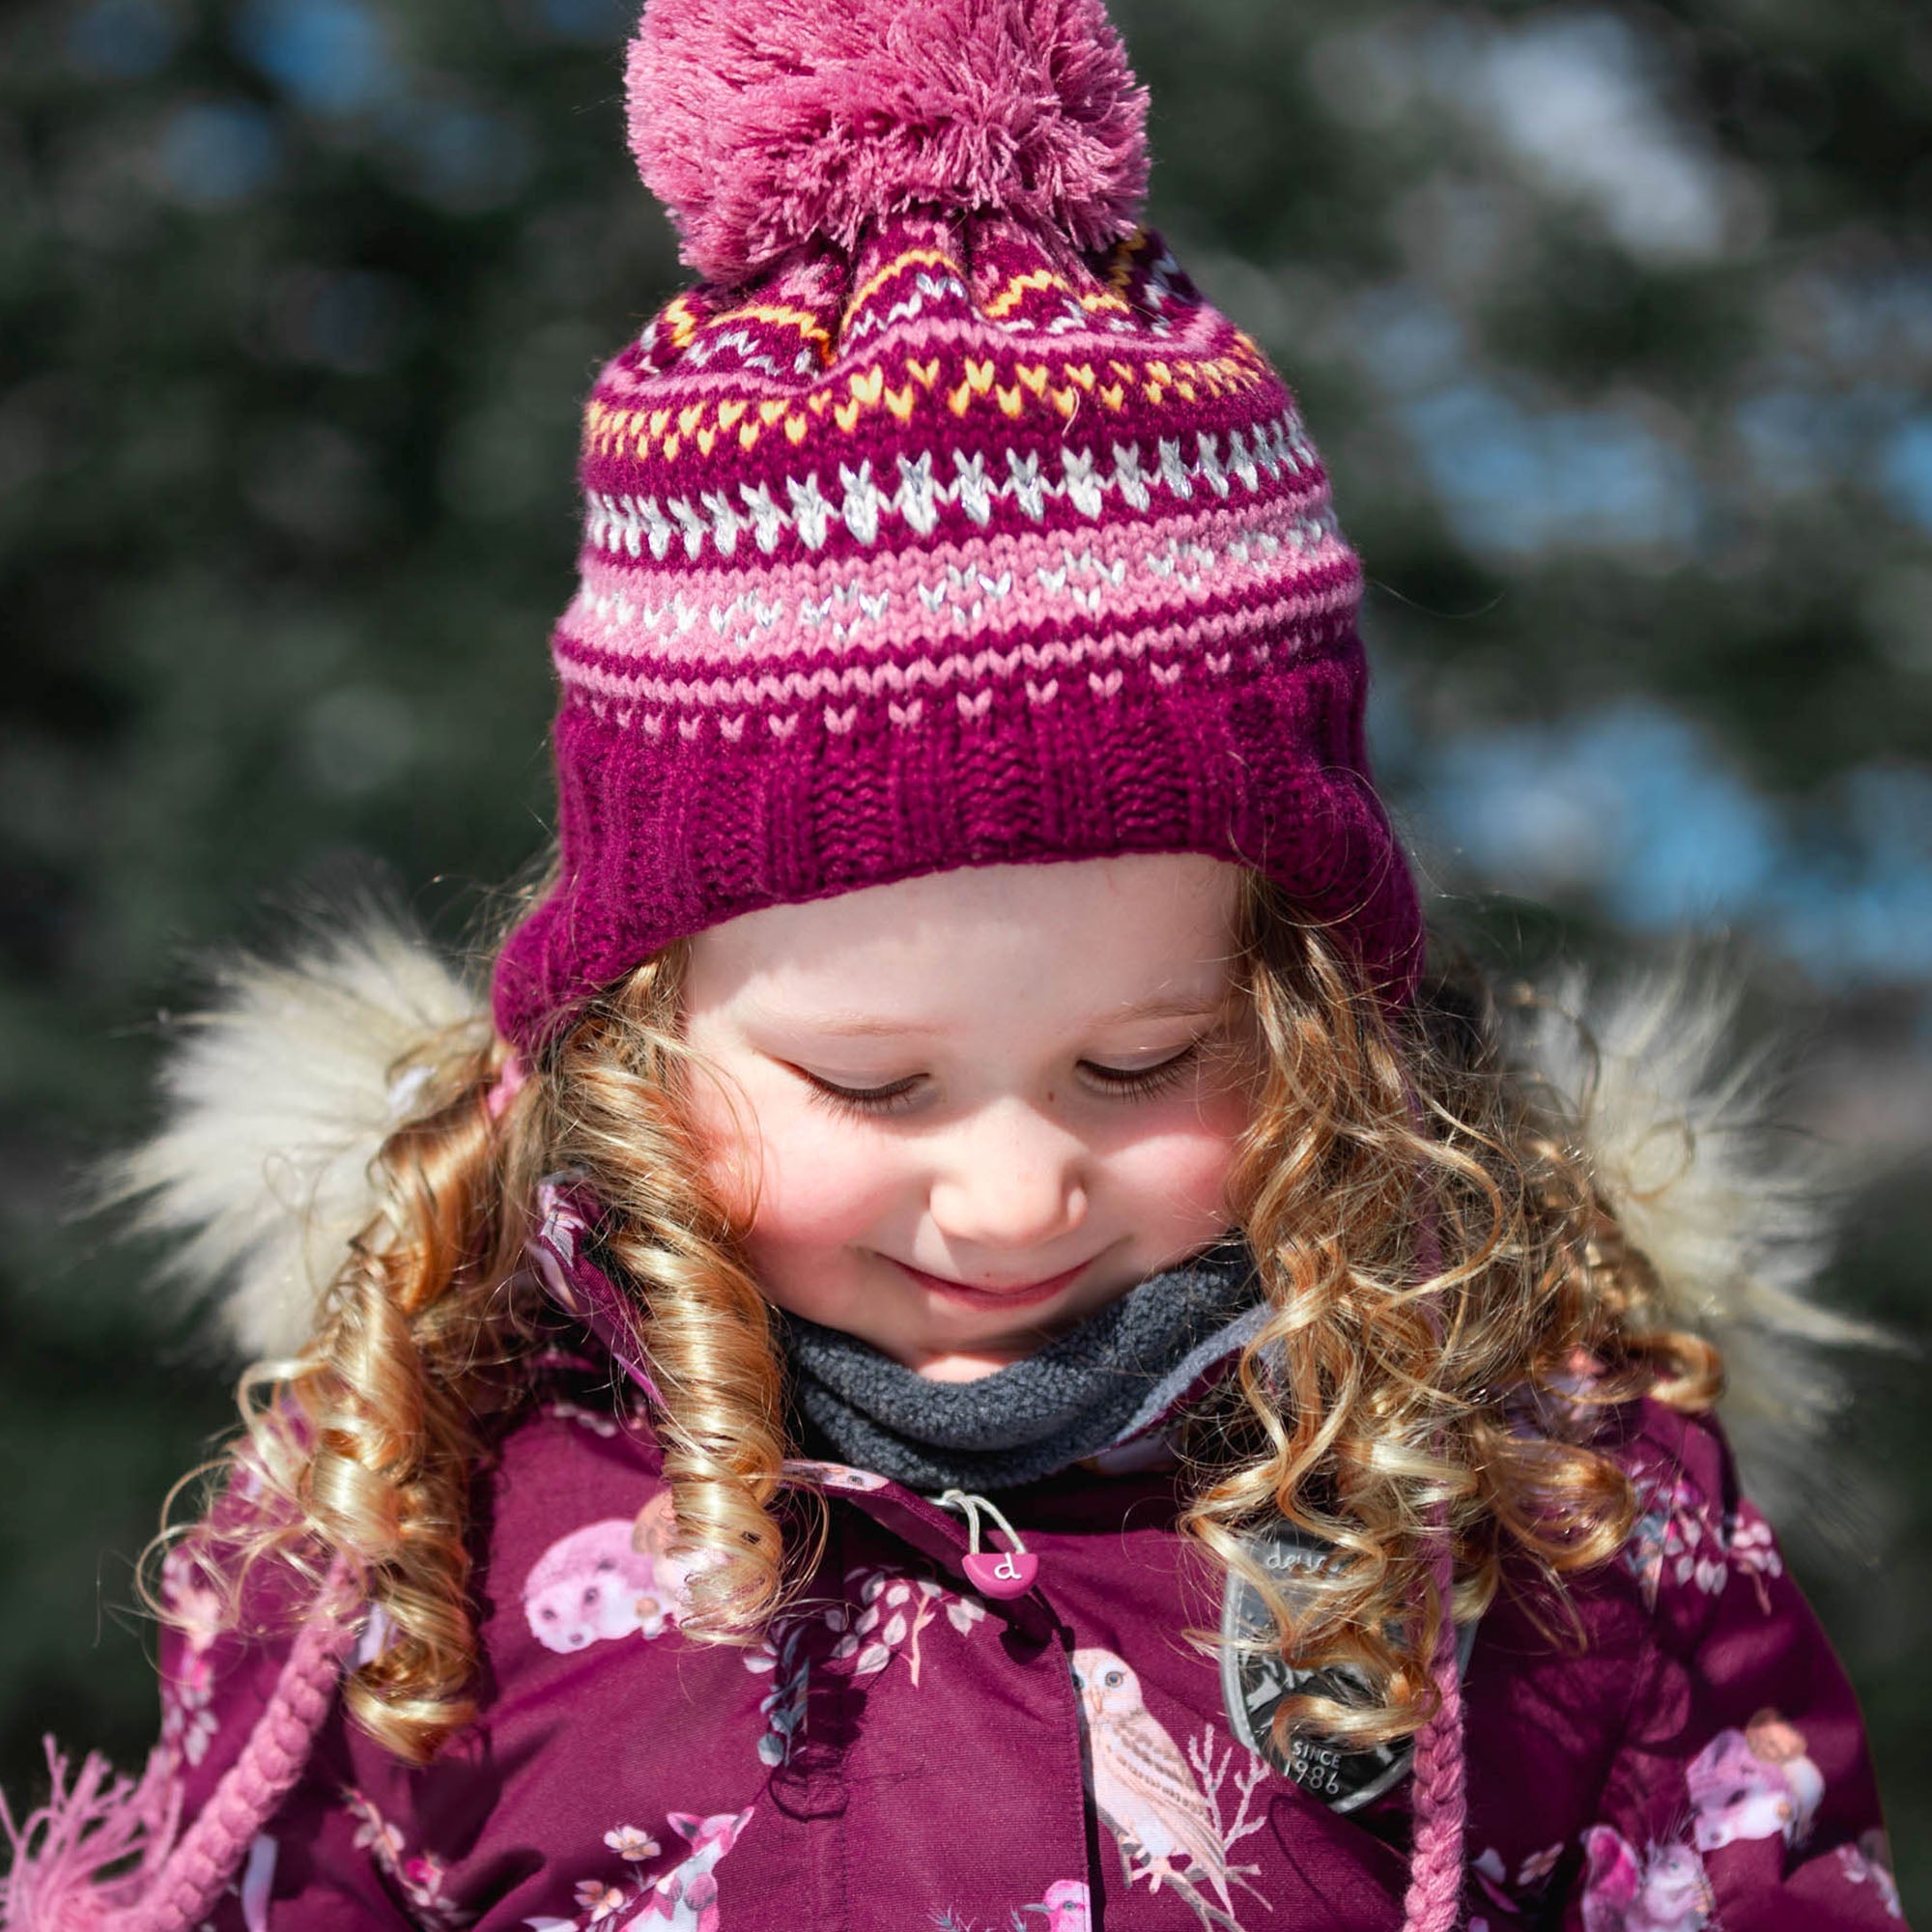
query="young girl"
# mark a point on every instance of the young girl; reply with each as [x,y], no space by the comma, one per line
[975,1342]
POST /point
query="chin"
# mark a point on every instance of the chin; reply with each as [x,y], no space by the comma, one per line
[964,1363]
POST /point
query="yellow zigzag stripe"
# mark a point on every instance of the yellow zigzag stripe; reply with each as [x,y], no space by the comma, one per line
[913,258]
[802,319]
[1121,271]
[1017,289]
[1061,387]
[683,323]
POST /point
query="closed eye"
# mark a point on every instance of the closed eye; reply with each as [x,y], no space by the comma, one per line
[1135,1082]
[860,1099]
[1120,1081]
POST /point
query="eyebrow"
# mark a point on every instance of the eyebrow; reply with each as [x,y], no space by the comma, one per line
[863,1026]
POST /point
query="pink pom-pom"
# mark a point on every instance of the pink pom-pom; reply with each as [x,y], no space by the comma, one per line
[760,124]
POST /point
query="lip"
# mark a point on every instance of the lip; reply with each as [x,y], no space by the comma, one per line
[1025,1296]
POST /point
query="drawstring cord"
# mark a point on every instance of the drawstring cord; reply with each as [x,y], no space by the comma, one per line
[970,1506]
[995,1572]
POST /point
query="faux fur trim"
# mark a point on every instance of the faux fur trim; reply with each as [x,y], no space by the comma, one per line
[1735,1211]
[275,1100]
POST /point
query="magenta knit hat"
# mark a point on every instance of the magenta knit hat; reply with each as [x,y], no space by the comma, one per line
[944,523]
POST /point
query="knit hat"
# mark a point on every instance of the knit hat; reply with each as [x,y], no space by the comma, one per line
[944,522]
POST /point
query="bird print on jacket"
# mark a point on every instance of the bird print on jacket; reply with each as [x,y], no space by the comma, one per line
[1162,1804]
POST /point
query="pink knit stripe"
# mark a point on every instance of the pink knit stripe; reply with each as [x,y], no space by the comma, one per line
[810,662]
[1199,645]
[941,611]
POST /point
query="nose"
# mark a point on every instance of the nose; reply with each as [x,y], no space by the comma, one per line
[1008,1178]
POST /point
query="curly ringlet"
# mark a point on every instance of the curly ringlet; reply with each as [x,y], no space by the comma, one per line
[1375,1402]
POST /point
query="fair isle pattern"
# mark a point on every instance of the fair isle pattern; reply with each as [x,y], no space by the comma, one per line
[1084,480]
[965,551]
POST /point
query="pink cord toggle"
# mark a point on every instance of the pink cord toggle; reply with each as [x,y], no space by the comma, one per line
[1001,1574]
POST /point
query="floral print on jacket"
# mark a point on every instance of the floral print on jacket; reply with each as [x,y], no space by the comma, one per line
[904,1753]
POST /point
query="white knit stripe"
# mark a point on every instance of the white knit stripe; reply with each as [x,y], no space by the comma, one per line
[1024,548]
[1251,462]
[1078,577]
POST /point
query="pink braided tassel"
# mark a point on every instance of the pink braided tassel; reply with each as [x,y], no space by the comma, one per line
[255,1784]
[1441,1800]
[84,1828]
[59,1853]
[1441,1805]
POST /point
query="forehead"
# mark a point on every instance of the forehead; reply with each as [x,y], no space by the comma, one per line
[1086,940]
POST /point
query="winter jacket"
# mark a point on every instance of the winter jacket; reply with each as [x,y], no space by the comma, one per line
[905,1751]
[909,1750]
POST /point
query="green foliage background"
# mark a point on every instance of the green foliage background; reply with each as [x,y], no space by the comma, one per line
[1613,319]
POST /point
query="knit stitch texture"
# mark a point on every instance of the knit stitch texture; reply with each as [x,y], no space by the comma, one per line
[963,551]
[960,545]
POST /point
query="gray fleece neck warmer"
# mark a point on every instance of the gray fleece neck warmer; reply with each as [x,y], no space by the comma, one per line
[1096,1385]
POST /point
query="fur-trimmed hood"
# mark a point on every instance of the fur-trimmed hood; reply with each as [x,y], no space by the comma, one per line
[276,1097]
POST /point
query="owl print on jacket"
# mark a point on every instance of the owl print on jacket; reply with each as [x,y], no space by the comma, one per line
[1148,1795]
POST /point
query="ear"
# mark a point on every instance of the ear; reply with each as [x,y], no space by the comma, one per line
[1611,1866]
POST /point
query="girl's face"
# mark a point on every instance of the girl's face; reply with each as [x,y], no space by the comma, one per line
[961,1112]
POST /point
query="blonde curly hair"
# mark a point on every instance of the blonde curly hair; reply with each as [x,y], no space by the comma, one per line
[1439,1263]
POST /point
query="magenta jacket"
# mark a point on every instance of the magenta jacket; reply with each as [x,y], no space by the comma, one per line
[907,1752]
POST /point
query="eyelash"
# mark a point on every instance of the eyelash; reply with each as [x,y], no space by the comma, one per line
[1120,1085]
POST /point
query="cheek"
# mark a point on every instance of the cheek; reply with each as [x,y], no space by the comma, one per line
[822,1188]
[1183,1172]
[1179,1166]
[790,1173]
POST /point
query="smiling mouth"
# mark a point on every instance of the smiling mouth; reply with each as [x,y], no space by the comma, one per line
[1022,1296]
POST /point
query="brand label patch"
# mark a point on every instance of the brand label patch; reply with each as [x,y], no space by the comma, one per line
[1254,1683]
